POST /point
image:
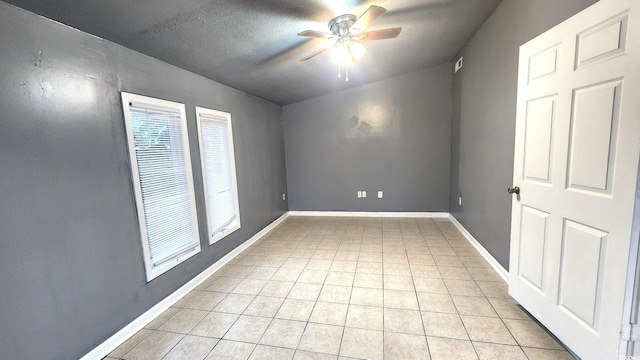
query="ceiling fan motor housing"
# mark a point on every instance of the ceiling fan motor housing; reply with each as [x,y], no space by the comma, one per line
[340,25]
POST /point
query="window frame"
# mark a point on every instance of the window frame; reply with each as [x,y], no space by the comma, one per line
[227,116]
[128,99]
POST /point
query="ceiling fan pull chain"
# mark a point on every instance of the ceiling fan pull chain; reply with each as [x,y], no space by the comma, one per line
[339,72]
[346,69]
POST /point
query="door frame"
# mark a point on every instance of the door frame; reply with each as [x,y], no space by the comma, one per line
[631,310]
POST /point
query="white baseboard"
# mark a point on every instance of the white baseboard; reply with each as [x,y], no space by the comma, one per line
[504,274]
[370,214]
[141,321]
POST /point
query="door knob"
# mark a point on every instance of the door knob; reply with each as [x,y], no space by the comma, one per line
[514,190]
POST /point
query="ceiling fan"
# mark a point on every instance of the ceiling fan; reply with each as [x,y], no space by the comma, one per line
[347,35]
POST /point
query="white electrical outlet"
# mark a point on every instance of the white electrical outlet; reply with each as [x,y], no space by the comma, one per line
[364,194]
[379,194]
[460,200]
[359,194]
[284,196]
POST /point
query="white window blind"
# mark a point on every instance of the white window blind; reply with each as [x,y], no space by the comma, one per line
[219,173]
[163,182]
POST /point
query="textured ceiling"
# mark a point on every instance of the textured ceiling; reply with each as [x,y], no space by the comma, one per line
[252,45]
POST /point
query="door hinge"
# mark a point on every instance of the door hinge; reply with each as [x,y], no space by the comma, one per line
[630,332]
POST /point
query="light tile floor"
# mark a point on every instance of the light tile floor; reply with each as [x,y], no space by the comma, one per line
[349,288]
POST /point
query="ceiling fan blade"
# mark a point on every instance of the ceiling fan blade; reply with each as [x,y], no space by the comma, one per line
[312,55]
[315,34]
[369,16]
[389,33]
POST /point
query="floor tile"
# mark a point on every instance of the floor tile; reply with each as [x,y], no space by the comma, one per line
[529,334]
[369,267]
[474,262]
[395,258]
[508,309]
[231,350]
[302,291]
[318,264]
[421,259]
[262,273]
[249,287]
[277,288]
[487,351]
[362,344]
[321,338]
[154,346]
[263,352]
[444,325]
[264,306]
[234,303]
[403,321]
[428,271]
[545,354]
[396,269]
[364,296]
[336,294]
[130,343]
[191,347]
[393,282]
[294,309]
[215,325]
[365,317]
[295,263]
[473,305]
[224,284]
[287,274]
[306,355]
[238,271]
[344,265]
[400,299]
[248,329]
[429,285]
[201,300]
[487,329]
[347,288]
[329,313]
[480,274]
[370,256]
[462,287]
[451,349]
[324,254]
[183,321]
[454,273]
[283,333]
[447,260]
[492,289]
[405,347]
[339,278]
[436,303]
[313,276]
[347,255]
[365,280]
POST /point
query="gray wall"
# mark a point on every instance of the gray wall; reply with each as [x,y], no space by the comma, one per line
[483,123]
[392,135]
[71,270]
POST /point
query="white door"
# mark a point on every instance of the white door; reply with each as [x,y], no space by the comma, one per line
[576,159]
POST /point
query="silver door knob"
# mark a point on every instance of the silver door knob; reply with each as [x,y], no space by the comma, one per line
[514,190]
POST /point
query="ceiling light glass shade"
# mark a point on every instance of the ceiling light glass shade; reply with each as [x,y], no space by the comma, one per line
[341,55]
[358,50]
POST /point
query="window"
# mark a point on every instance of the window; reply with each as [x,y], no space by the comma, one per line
[163,182]
[219,172]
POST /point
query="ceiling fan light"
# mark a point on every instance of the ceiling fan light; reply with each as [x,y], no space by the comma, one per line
[341,55]
[357,50]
